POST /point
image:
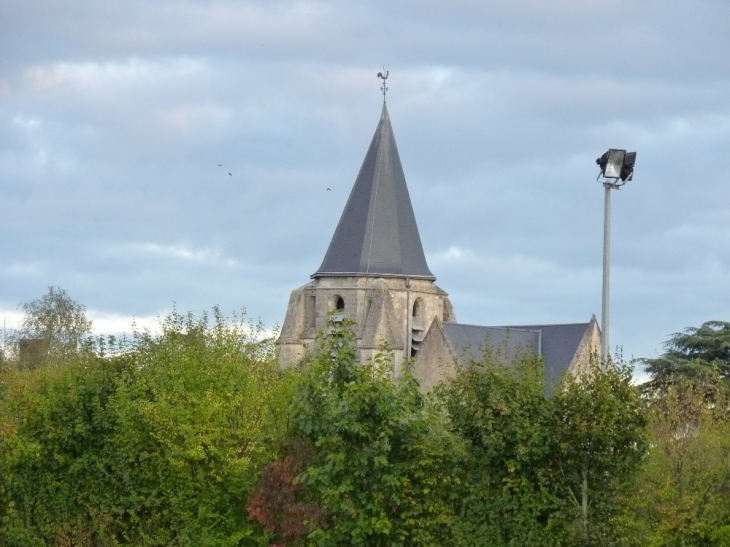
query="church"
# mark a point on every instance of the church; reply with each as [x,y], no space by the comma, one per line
[375,274]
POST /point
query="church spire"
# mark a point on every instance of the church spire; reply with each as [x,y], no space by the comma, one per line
[377,234]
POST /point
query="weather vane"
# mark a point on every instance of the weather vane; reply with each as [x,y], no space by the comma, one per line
[384,77]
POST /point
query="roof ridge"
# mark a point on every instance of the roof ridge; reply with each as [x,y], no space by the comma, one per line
[489,326]
[548,325]
[377,180]
[523,327]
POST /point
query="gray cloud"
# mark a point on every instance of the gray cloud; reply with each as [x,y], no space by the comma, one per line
[115,117]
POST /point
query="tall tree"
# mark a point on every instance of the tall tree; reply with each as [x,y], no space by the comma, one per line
[501,412]
[53,323]
[385,465]
[696,354]
[599,431]
[682,495]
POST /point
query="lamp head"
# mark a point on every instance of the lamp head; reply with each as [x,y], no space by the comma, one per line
[617,164]
[627,170]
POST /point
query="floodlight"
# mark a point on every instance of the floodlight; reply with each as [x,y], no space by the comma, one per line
[614,163]
[617,164]
[627,170]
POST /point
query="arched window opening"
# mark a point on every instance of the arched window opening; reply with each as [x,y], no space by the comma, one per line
[417,309]
[337,307]
[417,326]
[447,314]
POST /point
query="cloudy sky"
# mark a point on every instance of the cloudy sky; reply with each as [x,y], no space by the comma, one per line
[115,116]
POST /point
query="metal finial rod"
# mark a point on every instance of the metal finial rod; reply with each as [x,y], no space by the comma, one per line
[384,88]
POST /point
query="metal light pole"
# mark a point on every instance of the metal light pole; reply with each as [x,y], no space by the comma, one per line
[615,165]
[605,300]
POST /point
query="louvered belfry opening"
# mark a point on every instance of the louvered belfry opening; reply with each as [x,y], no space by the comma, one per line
[417,327]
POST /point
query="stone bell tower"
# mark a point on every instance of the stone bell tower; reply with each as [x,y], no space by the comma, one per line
[375,271]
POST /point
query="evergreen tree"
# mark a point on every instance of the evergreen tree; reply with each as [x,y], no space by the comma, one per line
[697,354]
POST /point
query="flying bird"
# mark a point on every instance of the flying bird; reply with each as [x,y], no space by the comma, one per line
[328,189]
[220,165]
[230,174]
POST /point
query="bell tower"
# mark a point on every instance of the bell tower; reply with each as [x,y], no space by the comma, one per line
[374,272]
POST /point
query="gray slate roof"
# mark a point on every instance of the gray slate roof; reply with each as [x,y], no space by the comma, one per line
[469,341]
[377,234]
[558,346]
[556,343]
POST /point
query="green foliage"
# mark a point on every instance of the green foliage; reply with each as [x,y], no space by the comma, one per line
[385,466]
[4,359]
[156,442]
[599,431]
[196,437]
[721,536]
[698,354]
[682,495]
[501,412]
[544,471]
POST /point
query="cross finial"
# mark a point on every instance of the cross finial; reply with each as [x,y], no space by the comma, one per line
[384,88]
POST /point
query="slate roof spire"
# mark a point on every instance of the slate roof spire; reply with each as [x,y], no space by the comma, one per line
[377,234]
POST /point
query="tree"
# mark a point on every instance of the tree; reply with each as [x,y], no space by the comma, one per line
[54,323]
[599,434]
[696,354]
[154,442]
[385,466]
[501,412]
[682,496]
[282,505]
